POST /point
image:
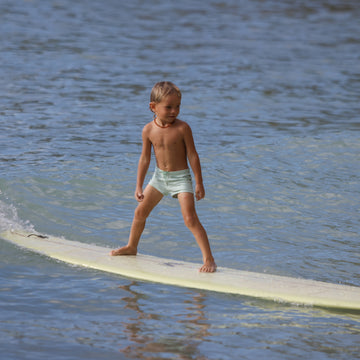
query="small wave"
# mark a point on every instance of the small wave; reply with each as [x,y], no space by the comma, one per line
[9,218]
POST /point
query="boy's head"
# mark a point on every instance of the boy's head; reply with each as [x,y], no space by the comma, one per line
[163,89]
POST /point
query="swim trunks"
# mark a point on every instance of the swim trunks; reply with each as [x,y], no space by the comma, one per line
[172,182]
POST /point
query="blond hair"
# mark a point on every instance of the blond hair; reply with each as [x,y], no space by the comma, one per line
[163,89]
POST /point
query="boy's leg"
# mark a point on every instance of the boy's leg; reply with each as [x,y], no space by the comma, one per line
[187,204]
[151,198]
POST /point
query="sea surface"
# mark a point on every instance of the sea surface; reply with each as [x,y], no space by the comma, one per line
[271,90]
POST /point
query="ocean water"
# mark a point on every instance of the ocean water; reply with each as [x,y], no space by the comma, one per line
[271,90]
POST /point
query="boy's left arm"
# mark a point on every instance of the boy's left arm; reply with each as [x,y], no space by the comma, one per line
[194,162]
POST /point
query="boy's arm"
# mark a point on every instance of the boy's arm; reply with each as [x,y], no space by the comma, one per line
[194,162]
[143,165]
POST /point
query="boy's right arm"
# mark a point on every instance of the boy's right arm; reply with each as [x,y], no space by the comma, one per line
[194,161]
[143,165]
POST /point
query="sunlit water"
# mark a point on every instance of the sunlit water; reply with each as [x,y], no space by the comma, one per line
[271,90]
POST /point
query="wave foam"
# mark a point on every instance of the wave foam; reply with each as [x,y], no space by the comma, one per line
[9,219]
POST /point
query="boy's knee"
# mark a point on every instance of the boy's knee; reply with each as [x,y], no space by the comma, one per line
[140,214]
[190,220]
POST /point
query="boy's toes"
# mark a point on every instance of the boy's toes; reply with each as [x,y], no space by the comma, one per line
[208,268]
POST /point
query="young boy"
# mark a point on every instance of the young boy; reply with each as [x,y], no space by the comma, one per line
[173,146]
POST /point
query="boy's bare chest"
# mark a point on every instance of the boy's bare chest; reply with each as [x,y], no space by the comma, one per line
[166,139]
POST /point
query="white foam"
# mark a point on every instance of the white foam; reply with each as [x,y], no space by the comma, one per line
[9,219]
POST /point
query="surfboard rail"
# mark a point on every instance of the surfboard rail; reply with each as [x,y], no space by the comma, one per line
[185,274]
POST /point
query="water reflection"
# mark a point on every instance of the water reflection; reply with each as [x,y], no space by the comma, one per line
[186,328]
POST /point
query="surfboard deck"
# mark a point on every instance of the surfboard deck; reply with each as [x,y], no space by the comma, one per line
[186,274]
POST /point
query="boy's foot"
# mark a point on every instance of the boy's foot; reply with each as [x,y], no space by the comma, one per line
[125,250]
[208,267]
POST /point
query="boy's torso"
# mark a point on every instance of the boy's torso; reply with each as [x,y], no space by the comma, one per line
[169,146]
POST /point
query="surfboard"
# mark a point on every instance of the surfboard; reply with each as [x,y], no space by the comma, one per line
[186,274]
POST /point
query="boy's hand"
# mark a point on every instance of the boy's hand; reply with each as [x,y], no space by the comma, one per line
[139,196]
[199,192]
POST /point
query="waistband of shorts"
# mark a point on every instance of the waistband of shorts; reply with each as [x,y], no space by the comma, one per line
[177,172]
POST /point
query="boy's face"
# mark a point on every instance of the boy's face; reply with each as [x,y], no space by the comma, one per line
[167,110]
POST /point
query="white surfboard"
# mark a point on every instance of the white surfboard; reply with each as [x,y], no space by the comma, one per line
[185,274]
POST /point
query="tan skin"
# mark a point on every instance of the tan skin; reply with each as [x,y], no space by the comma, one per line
[174,147]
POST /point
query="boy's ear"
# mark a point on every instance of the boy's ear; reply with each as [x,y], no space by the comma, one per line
[152,105]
